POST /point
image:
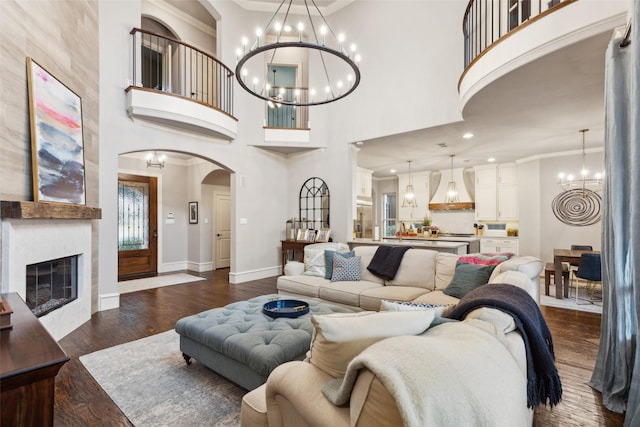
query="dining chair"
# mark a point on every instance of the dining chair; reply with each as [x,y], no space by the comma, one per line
[589,270]
[573,266]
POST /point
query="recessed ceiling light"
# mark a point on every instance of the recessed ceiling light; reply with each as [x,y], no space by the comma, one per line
[491,159]
[392,171]
[467,135]
[359,143]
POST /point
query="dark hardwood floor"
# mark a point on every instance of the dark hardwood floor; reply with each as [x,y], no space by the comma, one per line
[81,402]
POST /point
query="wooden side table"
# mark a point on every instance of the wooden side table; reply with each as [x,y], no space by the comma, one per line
[292,245]
[29,362]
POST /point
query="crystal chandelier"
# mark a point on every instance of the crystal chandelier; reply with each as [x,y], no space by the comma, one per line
[409,200]
[155,161]
[452,190]
[324,57]
[584,181]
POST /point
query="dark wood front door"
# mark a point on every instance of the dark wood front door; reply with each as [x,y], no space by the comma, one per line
[137,226]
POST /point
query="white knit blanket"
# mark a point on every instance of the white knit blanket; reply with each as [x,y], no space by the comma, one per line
[454,374]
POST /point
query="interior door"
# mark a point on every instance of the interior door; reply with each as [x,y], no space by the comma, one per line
[137,226]
[222,231]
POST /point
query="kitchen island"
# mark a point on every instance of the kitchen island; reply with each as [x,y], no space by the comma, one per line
[458,248]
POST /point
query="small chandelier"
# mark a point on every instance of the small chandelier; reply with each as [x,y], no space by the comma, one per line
[336,68]
[584,182]
[409,200]
[452,190]
[155,161]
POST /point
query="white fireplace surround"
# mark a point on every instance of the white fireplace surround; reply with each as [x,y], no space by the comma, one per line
[31,241]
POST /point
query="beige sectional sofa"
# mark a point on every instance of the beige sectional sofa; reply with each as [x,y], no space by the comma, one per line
[450,366]
[422,277]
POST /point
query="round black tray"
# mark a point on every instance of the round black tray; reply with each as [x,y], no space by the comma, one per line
[290,308]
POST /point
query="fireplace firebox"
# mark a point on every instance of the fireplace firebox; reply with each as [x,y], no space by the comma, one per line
[52,284]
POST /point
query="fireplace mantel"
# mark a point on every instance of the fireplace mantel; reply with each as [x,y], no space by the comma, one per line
[35,210]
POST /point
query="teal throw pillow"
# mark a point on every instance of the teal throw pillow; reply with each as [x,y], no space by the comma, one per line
[345,269]
[467,277]
[328,261]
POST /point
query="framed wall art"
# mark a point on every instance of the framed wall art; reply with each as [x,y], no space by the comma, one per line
[193,212]
[57,146]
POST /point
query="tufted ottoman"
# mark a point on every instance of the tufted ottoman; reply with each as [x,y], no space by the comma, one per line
[244,345]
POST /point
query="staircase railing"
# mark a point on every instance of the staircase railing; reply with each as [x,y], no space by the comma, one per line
[488,21]
[171,66]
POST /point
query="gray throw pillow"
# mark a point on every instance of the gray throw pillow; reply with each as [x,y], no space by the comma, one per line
[345,269]
[328,260]
[467,277]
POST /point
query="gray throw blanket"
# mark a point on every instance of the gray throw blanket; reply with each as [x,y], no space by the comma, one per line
[543,381]
[386,261]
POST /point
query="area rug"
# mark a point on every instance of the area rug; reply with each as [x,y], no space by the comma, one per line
[156,282]
[568,303]
[153,386]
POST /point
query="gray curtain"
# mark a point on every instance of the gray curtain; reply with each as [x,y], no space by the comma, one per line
[617,371]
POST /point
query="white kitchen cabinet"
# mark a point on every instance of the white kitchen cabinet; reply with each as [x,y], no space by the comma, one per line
[496,192]
[420,183]
[498,245]
[363,182]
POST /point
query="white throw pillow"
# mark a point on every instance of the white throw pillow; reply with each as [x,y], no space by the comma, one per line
[438,310]
[314,264]
[338,338]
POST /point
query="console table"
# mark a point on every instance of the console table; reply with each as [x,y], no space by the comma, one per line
[292,245]
[29,362]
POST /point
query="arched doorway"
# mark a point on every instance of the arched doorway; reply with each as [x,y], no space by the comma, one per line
[184,244]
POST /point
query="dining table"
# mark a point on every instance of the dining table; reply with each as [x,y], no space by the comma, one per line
[560,256]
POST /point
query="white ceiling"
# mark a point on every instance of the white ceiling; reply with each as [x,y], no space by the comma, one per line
[536,110]
[533,111]
[297,6]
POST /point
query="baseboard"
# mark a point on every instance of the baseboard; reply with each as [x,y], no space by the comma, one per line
[199,266]
[108,301]
[247,276]
[169,267]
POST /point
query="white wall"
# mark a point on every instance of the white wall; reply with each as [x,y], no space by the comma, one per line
[539,230]
[411,62]
[258,181]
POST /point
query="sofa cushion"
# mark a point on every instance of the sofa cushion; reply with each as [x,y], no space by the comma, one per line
[417,269]
[445,269]
[314,257]
[328,260]
[346,292]
[438,310]
[366,254]
[301,285]
[337,339]
[468,277]
[370,299]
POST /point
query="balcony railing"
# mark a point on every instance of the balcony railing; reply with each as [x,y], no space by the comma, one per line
[279,115]
[168,65]
[487,21]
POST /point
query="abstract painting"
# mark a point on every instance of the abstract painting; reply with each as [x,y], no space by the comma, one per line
[57,146]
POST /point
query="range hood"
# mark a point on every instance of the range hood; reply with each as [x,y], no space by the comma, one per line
[438,185]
